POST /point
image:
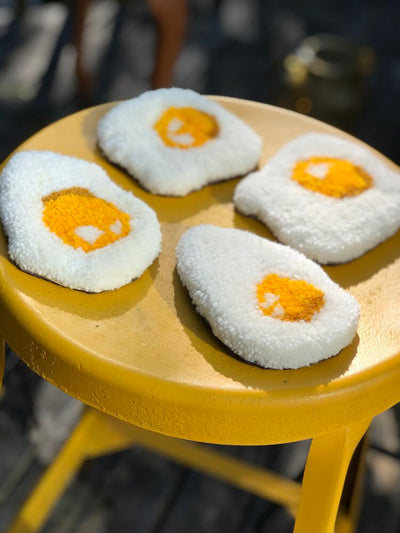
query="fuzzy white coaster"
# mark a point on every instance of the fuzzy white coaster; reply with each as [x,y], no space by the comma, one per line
[325,228]
[222,269]
[127,136]
[30,178]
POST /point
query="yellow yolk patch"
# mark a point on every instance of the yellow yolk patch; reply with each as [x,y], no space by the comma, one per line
[84,221]
[186,127]
[332,177]
[289,299]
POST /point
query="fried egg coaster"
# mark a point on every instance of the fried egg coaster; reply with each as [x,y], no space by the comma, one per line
[174,141]
[267,302]
[327,197]
[68,222]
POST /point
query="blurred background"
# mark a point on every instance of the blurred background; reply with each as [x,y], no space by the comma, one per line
[338,61]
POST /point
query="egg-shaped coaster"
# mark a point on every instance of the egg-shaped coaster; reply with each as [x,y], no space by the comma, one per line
[174,141]
[68,222]
[328,197]
[267,302]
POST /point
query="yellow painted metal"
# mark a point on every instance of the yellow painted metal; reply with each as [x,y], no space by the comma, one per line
[345,524]
[324,476]
[90,438]
[98,434]
[350,508]
[142,354]
[258,481]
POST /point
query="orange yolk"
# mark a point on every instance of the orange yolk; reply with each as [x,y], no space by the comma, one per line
[332,177]
[84,221]
[185,127]
[289,299]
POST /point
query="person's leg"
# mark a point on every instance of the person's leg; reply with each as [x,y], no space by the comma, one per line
[171,20]
[84,78]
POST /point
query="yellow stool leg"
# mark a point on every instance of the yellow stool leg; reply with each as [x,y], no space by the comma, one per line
[93,436]
[98,434]
[256,480]
[324,477]
[350,504]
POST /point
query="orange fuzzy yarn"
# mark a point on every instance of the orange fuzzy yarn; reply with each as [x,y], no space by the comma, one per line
[67,210]
[341,178]
[289,299]
[176,122]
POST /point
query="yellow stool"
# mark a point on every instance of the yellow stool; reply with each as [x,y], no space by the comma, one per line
[142,355]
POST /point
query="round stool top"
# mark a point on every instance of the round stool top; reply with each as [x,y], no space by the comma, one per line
[143,354]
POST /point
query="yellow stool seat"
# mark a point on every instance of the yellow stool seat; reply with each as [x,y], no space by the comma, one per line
[143,355]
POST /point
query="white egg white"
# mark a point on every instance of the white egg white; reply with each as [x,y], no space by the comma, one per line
[32,175]
[221,269]
[327,229]
[127,136]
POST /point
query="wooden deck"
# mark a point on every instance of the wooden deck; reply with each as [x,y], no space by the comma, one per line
[238,53]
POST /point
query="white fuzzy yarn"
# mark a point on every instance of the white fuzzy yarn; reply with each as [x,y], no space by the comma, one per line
[30,176]
[127,136]
[327,229]
[221,269]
